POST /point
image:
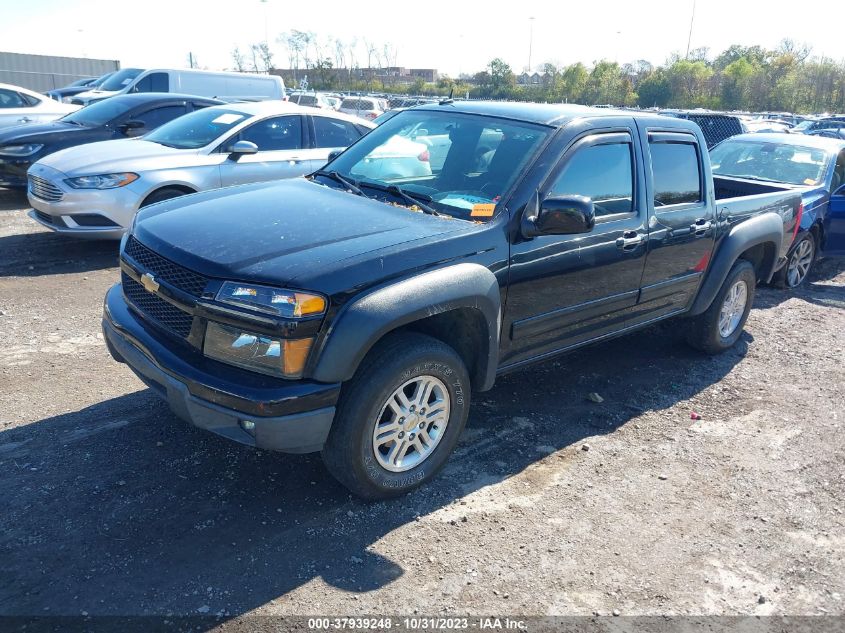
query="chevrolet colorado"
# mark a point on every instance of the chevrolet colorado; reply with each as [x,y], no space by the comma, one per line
[354,311]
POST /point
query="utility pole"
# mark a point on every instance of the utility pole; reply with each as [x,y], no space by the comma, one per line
[264,2]
[691,20]
[530,40]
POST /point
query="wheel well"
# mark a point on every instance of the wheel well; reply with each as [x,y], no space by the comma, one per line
[817,231]
[763,257]
[464,330]
[183,188]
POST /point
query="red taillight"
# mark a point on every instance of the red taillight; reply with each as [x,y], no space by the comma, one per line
[424,156]
[372,115]
[798,220]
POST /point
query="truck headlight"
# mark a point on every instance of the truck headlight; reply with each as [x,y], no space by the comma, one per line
[257,352]
[287,304]
[102,181]
[27,149]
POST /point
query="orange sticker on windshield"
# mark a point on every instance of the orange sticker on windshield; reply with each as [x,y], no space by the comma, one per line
[483,210]
[809,181]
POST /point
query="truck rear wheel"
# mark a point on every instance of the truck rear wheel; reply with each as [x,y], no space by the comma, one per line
[399,418]
[720,326]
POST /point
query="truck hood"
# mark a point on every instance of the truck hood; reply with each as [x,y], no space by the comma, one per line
[274,232]
[116,156]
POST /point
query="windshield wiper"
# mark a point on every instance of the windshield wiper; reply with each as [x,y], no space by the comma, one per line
[413,199]
[353,187]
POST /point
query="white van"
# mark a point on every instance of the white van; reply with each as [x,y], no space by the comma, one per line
[202,83]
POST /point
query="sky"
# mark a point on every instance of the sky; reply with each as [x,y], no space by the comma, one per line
[453,36]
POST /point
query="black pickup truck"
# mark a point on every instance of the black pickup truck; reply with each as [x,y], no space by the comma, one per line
[354,311]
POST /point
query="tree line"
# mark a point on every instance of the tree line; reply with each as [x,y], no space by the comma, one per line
[739,78]
[750,78]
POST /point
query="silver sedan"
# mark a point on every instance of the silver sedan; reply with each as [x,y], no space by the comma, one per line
[94,191]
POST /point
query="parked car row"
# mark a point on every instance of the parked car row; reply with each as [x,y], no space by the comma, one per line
[95,190]
[125,116]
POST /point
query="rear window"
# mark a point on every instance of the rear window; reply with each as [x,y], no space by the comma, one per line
[774,162]
[676,175]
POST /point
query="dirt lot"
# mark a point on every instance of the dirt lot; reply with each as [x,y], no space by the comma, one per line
[552,505]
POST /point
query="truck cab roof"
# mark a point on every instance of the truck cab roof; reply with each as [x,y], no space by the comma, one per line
[550,114]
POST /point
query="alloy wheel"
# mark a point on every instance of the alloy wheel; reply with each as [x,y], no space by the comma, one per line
[799,263]
[411,423]
[733,307]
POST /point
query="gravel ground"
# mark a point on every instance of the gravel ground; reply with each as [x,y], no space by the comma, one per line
[553,504]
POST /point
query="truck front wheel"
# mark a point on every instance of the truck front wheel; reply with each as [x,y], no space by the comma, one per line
[720,326]
[399,418]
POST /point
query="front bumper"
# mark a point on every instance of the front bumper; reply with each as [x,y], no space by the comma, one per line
[289,416]
[13,171]
[117,207]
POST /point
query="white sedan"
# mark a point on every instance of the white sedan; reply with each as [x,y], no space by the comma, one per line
[94,190]
[19,106]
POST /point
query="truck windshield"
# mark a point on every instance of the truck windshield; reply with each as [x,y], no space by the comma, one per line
[196,129]
[458,164]
[777,162]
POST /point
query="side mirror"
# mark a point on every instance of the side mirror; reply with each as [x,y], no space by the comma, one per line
[132,127]
[561,215]
[335,154]
[242,148]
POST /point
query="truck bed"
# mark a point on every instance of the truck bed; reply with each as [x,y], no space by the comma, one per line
[726,187]
[738,199]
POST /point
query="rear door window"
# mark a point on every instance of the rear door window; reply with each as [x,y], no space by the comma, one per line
[676,173]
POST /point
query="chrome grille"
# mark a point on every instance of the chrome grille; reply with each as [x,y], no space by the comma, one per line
[44,189]
[156,309]
[164,269]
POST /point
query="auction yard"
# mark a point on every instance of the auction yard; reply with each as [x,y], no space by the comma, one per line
[553,503]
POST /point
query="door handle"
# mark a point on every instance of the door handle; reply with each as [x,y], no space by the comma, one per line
[700,227]
[629,240]
[24,119]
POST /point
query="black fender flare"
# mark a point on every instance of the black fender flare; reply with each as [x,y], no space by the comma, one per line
[362,322]
[761,229]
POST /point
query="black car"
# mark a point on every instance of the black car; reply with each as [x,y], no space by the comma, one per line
[119,117]
[80,85]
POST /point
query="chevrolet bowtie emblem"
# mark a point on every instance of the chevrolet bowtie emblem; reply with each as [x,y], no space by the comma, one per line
[149,282]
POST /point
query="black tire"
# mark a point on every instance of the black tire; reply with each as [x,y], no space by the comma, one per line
[349,452]
[703,331]
[161,195]
[796,258]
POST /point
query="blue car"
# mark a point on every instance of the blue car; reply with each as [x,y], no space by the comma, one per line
[816,165]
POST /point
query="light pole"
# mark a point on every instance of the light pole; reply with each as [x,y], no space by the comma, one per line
[530,41]
[692,17]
